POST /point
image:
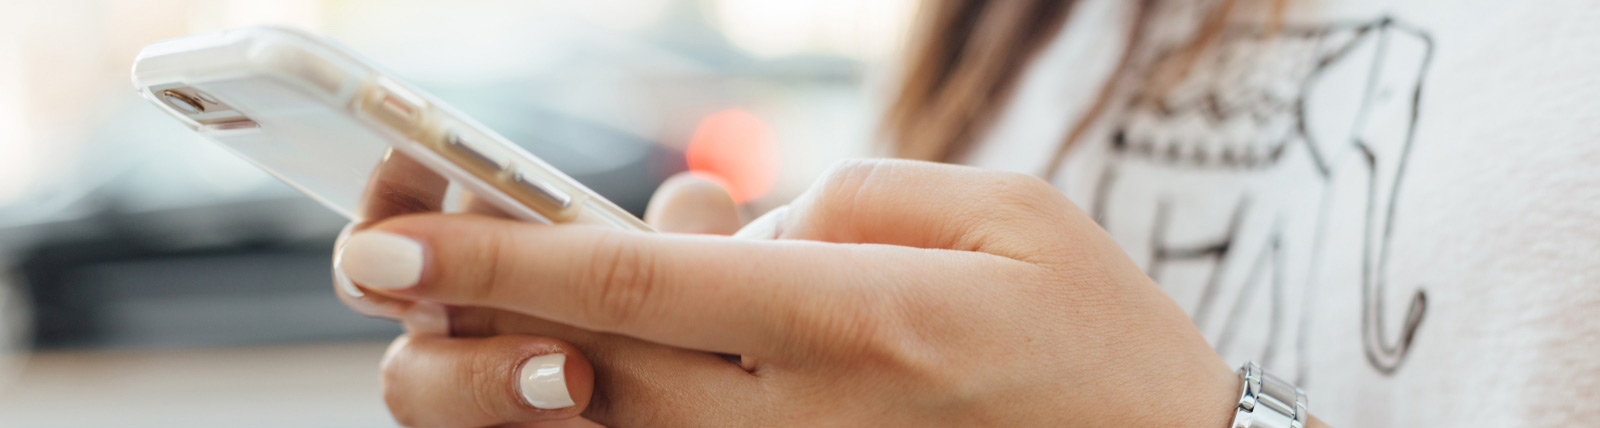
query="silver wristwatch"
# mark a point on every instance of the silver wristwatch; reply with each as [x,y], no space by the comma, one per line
[1268,402]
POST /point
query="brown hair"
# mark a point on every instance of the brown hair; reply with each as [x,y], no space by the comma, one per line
[965,58]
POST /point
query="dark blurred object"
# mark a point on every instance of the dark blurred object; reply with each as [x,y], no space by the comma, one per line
[252,272]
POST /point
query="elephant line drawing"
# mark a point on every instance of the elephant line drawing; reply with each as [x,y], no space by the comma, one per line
[1241,123]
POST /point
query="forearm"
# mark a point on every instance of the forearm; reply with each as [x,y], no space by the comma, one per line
[1313,422]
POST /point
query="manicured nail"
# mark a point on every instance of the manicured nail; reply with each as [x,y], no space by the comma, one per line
[381,260]
[339,278]
[543,382]
[427,318]
[342,280]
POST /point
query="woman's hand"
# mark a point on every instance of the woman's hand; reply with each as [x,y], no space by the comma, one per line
[430,373]
[898,294]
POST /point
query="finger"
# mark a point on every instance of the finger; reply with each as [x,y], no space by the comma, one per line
[423,318]
[432,381]
[932,205]
[650,385]
[716,294]
[367,304]
[635,383]
[399,185]
[473,321]
[688,203]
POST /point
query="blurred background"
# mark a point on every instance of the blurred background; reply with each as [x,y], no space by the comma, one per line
[149,278]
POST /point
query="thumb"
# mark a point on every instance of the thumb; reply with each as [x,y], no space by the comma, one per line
[930,205]
[690,203]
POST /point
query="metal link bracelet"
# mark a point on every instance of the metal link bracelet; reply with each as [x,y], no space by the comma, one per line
[1268,402]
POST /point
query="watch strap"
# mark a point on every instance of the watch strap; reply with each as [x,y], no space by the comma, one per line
[1268,402]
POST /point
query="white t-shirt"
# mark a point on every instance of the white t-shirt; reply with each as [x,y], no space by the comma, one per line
[1300,193]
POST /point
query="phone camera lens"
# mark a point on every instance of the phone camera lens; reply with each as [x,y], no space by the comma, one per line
[182,102]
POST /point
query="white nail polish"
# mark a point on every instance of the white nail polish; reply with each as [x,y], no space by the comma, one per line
[543,382]
[381,260]
[342,280]
[339,278]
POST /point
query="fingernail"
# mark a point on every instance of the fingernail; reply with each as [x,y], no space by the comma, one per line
[339,277]
[543,382]
[427,318]
[381,260]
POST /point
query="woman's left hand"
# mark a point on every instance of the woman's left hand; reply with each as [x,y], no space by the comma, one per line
[897,294]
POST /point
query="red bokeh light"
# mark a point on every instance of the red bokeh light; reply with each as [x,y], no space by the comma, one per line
[737,147]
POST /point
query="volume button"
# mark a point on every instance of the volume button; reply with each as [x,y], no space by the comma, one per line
[460,145]
[561,200]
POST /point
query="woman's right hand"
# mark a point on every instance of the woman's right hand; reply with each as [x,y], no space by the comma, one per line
[899,294]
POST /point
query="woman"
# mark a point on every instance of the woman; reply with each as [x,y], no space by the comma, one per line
[1390,206]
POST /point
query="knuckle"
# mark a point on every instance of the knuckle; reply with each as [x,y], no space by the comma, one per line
[846,168]
[880,335]
[847,177]
[484,373]
[868,330]
[1029,197]
[838,196]
[865,180]
[1028,183]
[491,259]
[622,281]
[1023,187]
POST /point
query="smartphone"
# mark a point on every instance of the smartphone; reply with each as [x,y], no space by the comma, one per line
[360,141]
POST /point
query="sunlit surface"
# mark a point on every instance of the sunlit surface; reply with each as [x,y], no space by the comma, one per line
[298,386]
[862,29]
[16,157]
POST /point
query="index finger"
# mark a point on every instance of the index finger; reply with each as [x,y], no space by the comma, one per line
[701,292]
[399,185]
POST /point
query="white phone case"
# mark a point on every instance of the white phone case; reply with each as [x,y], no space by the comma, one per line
[366,145]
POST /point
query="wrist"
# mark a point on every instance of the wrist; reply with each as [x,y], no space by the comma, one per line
[1222,399]
[1204,397]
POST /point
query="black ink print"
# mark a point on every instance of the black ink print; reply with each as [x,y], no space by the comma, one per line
[1253,149]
